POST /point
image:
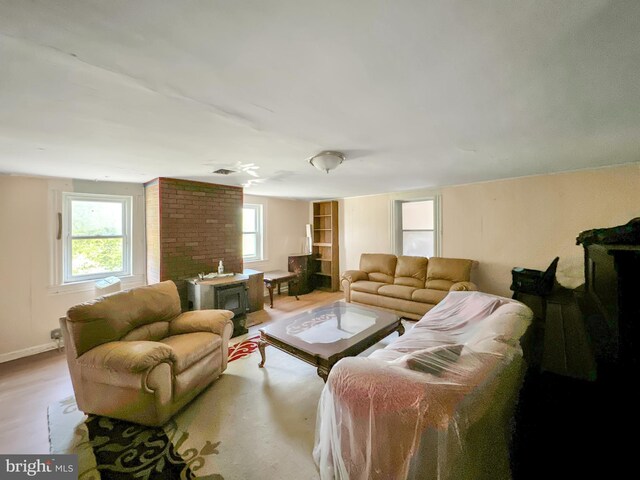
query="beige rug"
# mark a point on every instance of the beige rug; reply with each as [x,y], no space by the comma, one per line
[251,423]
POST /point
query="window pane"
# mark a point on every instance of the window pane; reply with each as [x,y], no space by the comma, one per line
[418,244]
[249,245]
[100,255]
[417,215]
[96,218]
[248,220]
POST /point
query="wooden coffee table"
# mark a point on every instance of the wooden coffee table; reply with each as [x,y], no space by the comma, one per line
[324,335]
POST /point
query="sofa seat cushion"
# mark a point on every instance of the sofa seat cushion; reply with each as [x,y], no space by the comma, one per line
[396,291]
[442,285]
[367,286]
[191,347]
[428,295]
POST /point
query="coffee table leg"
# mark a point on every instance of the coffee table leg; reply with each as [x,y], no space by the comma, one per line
[400,329]
[323,373]
[261,345]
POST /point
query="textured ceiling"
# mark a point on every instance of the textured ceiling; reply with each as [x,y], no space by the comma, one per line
[416,93]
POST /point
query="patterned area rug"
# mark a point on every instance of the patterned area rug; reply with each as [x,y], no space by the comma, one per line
[238,428]
[243,348]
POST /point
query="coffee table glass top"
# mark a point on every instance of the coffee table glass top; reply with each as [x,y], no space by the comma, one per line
[331,329]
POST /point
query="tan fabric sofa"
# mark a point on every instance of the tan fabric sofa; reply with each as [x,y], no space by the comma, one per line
[133,355]
[408,286]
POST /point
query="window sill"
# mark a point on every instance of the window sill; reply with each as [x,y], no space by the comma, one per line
[127,281]
[261,260]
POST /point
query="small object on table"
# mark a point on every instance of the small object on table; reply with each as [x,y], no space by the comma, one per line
[277,277]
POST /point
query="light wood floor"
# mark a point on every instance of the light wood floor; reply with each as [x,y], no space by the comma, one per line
[29,385]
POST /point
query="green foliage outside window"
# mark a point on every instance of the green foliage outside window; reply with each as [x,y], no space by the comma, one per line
[96,255]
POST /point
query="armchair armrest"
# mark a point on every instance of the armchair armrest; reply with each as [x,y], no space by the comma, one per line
[214,321]
[463,286]
[354,275]
[127,357]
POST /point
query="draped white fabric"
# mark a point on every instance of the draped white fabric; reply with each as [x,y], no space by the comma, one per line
[434,404]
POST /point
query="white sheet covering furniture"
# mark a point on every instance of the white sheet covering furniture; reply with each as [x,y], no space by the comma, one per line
[437,403]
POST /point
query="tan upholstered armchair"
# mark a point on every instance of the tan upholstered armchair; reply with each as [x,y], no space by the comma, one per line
[132,355]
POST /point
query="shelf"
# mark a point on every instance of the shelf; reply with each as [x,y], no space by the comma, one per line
[325,244]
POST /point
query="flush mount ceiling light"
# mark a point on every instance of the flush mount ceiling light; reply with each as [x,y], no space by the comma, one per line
[327,160]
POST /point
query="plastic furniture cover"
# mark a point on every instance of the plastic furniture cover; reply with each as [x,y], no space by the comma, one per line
[437,403]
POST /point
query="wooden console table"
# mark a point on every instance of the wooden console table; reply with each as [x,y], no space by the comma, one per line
[277,277]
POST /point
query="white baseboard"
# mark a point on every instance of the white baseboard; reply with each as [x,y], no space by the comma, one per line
[25,352]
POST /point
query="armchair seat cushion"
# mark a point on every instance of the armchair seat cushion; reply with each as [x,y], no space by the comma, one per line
[366,286]
[396,291]
[189,348]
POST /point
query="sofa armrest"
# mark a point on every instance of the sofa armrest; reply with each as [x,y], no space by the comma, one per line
[347,278]
[127,356]
[214,321]
[463,286]
[354,276]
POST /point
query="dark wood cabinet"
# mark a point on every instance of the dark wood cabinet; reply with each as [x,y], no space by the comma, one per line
[612,279]
[305,265]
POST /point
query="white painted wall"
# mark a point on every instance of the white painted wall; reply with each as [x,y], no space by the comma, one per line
[32,297]
[366,224]
[284,230]
[529,221]
[502,224]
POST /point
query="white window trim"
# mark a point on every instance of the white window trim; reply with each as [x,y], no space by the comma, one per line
[396,223]
[67,199]
[259,257]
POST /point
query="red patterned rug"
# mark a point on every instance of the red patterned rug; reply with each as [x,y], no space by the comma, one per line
[243,348]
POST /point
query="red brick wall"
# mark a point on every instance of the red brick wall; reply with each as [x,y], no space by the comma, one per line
[199,225]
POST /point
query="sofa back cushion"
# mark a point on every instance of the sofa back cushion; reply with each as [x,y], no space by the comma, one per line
[380,266]
[444,272]
[112,317]
[411,271]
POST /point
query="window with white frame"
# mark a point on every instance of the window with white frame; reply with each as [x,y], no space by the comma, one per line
[416,227]
[96,236]
[252,232]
